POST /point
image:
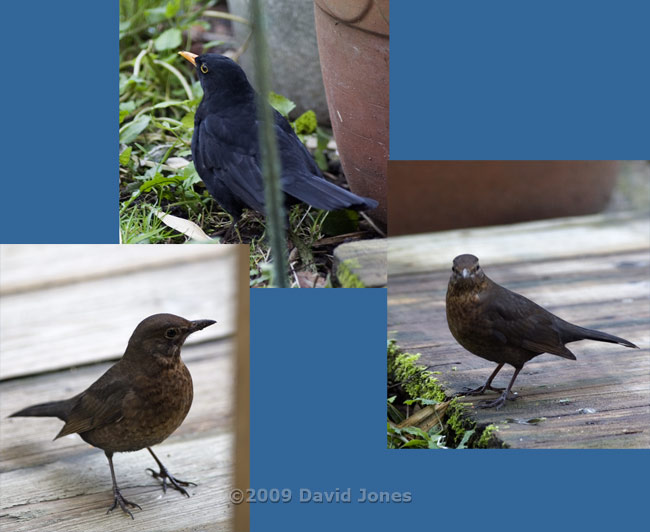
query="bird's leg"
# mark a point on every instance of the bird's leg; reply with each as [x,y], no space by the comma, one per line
[117,496]
[166,475]
[487,386]
[501,400]
[232,231]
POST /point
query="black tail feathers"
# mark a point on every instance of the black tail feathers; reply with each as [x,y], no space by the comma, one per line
[322,194]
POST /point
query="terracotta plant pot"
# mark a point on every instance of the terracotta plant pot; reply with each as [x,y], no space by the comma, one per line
[354,57]
[438,195]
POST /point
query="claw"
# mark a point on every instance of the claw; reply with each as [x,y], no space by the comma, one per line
[165,475]
[480,390]
[500,401]
[123,503]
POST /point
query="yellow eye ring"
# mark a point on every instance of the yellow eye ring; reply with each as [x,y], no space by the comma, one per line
[204,68]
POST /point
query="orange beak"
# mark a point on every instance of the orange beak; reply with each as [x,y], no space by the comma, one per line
[189,56]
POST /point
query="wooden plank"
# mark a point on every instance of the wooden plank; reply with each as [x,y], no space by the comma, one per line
[600,400]
[91,320]
[65,484]
[361,264]
[34,267]
[557,238]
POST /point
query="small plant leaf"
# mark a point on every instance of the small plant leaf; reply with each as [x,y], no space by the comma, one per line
[133,129]
[125,156]
[188,120]
[172,8]
[171,38]
[306,123]
[281,104]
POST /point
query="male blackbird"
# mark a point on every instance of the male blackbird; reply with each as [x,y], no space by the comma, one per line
[226,151]
[138,402]
[504,327]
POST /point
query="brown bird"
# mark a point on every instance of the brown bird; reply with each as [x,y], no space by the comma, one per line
[138,402]
[504,327]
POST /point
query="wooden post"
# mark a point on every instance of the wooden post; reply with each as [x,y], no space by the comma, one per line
[242,391]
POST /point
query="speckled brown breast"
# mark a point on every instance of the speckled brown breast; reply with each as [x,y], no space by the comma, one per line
[153,409]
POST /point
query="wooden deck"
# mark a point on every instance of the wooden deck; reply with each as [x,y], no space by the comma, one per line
[593,271]
[67,313]
[361,264]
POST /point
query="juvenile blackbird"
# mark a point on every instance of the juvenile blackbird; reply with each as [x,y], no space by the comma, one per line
[226,151]
[138,402]
[504,327]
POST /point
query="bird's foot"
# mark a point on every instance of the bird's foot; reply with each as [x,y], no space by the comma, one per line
[480,390]
[499,402]
[118,499]
[173,481]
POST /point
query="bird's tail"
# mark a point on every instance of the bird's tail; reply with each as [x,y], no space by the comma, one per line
[591,334]
[60,409]
[322,194]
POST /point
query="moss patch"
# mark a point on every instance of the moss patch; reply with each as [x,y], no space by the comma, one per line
[346,276]
[415,382]
[489,439]
[415,379]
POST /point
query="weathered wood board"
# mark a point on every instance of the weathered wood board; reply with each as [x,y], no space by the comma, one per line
[601,400]
[79,304]
[362,263]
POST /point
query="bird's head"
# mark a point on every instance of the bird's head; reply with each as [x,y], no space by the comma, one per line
[466,270]
[219,75]
[161,336]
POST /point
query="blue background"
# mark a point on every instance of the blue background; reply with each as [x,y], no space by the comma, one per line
[513,79]
[59,95]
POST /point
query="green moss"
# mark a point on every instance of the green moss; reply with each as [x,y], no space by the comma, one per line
[417,382]
[488,439]
[346,276]
[457,422]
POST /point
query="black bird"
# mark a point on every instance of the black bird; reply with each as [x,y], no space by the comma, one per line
[505,327]
[138,402]
[226,152]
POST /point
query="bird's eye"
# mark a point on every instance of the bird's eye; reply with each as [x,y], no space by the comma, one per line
[204,68]
[478,267]
[171,333]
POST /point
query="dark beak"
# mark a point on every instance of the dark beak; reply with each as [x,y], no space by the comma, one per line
[192,59]
[200,324]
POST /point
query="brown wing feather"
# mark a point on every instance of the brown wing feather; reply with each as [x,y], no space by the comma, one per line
[526,324]
[98,406]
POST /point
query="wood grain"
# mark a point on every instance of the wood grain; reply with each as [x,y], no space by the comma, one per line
[81,319]
[365,260]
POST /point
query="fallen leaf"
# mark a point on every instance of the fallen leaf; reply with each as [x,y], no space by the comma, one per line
[189,229]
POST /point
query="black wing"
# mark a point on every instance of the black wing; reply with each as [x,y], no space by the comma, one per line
[227,159]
